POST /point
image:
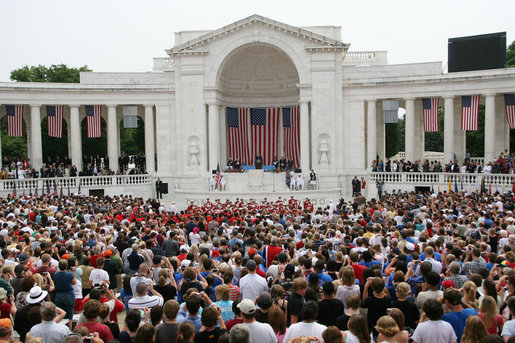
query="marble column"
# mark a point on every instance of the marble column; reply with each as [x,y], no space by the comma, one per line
[214,136]
[75,137]
[112,138]
[409,143]
[371,131]
[304,134]
[489,127]
[448,129]
[149,139]
[36,143]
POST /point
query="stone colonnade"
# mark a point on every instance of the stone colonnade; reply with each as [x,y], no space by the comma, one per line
[35,151]
[497,131]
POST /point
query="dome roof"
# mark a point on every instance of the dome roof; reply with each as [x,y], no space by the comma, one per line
[258,70]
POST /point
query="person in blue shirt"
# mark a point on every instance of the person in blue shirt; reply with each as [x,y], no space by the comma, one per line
[458,315]
[319,270]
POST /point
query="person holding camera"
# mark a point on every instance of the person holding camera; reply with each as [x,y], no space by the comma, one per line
[143,300]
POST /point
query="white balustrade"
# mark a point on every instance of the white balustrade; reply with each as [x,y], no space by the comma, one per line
[64,183]
[442,178]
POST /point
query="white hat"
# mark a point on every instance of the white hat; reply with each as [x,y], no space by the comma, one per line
[247,306]
[410,246]
[183,248]
[36,295]
[185,263]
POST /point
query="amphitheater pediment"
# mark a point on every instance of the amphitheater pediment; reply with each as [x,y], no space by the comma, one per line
[313,41]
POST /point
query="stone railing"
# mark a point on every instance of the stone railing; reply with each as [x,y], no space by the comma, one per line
[428,179]
[365,57]
[46,185]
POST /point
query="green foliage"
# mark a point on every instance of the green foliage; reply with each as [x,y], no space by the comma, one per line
[132,141]
[94,146]
[510,55]
[53,146]
[13,147]
[394,137]
[476,139]
[434,140]
[54,73]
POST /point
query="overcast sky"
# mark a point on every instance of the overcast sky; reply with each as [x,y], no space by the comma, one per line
[124,35]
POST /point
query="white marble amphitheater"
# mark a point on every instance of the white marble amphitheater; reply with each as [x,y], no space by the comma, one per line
[259,62]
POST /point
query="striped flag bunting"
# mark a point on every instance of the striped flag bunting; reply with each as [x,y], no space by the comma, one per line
[55,120]
[509,105]
[291,134]
[264,124]
[469,112]
[430,114]
[14,120]
[238,134]
[94,114]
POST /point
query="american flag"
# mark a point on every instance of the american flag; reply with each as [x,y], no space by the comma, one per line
[14,120]
[94,113]
[55,120]
[291,134]
[509,104]
[238,134]
[430,112]
[218,177]
[265,133]
[469,112]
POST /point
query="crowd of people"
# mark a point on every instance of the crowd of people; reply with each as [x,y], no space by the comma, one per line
[408,267]
[504,164]
[63,167]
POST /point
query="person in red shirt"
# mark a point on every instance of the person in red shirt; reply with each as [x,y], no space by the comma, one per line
[271,251]
[91,311]
[358,268]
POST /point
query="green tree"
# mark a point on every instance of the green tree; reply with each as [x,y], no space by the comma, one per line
[132,141]
[476,139]
[510,55]
[94,146]
[394,137]
[54,73]
[13,147]
[53,146]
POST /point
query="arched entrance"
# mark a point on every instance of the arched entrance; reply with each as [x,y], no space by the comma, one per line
[257,83]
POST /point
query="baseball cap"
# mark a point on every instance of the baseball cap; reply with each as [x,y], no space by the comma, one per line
[264,300]
[22,258]
[5,326]
[183,248]
[108,253]
[247,306]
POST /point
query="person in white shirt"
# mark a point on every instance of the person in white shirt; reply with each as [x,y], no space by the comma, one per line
[251,285]
[98,276]
[259,332]
[308,326]
[48,329]
[141,277]
[143,300]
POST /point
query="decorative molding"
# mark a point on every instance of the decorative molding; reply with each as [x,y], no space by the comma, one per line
[329,43]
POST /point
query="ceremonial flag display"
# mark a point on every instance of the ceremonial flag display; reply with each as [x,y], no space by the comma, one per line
[238,134]
[55,120]
[94,114]
[264,123]
[430,113]
[509,104]
[14,120]
[218,177]
[291,134]
[469,112]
